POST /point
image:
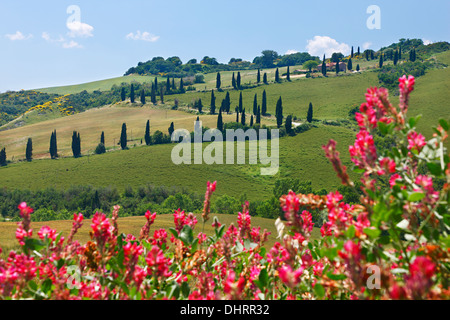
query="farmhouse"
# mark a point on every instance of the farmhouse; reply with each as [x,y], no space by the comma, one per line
[332,66]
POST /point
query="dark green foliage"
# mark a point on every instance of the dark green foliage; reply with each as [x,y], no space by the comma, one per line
[147,136]
[251,121]
[380,63]
[153,95]
[213,103]
[237,114]
[265,78]
[161,95]
[123,137]
[277,75]
[199,105]
[171,129]
[102,138]
[142,96]
[243,117]
[181,89]
[288,125]
[279,112]
[288,74]
[168,87]
[3,161]
[220,121]
[357,67]
[258,77]
[238,80]
[241,106]
[309,116]
[132,97]
[351,55]
[255,104]
[324,66]
[123,94]
[76,145]
[412,55]
[53,146]
[264,103]
[258,116]
[350,64]
[29,150]
[390,74]
[218,81]
[395,57]
[100,149]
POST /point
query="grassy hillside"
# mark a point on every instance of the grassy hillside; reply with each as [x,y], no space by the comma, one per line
[101,85]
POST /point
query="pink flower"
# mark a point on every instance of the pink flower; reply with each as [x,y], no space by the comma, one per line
[422,266]
[102,229]
[290,277]
[47,232]
[416,141]
[157,263]
[292,203]
[394,178]
[387,166]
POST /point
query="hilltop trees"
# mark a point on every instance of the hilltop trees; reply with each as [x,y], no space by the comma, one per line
[412,55]
[123,137]
[76,144]
[279,112]
[29,150]
[309,116]
[395,57]
[147,137]
[53,146]
[3,161]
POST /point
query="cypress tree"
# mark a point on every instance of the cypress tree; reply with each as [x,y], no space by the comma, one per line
[132,93]
[102,137]
[400,53]
[324,66]
[147,136]
[251,121]
[372,55]
[123,94]
[264,103]
[161,95]
[171,129]
[156,84]
[288,124]
[238,80]
[288,75]
[309,116]
[53,146]
[218,81]
[352,53]
[279,112]
[182,86]
[174,87]
[350,64]
[277,75]
[227,102]
[381,61]
[255,105]
[241,106]
[367,55]
[200,105]
[233,81]
[258,115]
[265,78]
[243,117]
[75,145]
[220,121]
[79,145]
[359,52]
[213,103]
[237,115]
[153,95]
[168,85]
[337,67]
[123,137]
[3,162]
[258,77]
[29,150]
[142,96]
[357,67]
[395,57]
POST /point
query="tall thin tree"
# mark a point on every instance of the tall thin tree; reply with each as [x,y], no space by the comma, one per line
[264,103]
[123,137]
[29,150]
[147,137]
[212,105]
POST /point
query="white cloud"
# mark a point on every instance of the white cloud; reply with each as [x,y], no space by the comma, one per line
[366,45]
[46,36]
[79,29]
[323,44]
[18,36]
[291,51]
[427,42]
[144,36]
[72,44]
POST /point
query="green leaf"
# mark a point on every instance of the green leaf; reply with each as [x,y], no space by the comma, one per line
[174,232]
[350,233]
[372,233]
[319,290]
[444,124]
[174,291]
[32,285]
[187,235]
[263,278]
[383,128]
[185,290]
[333,276]
[435,168]
[46,286]
[34,244]
[416,196]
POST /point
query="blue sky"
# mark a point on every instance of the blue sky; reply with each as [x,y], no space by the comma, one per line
[42,45]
